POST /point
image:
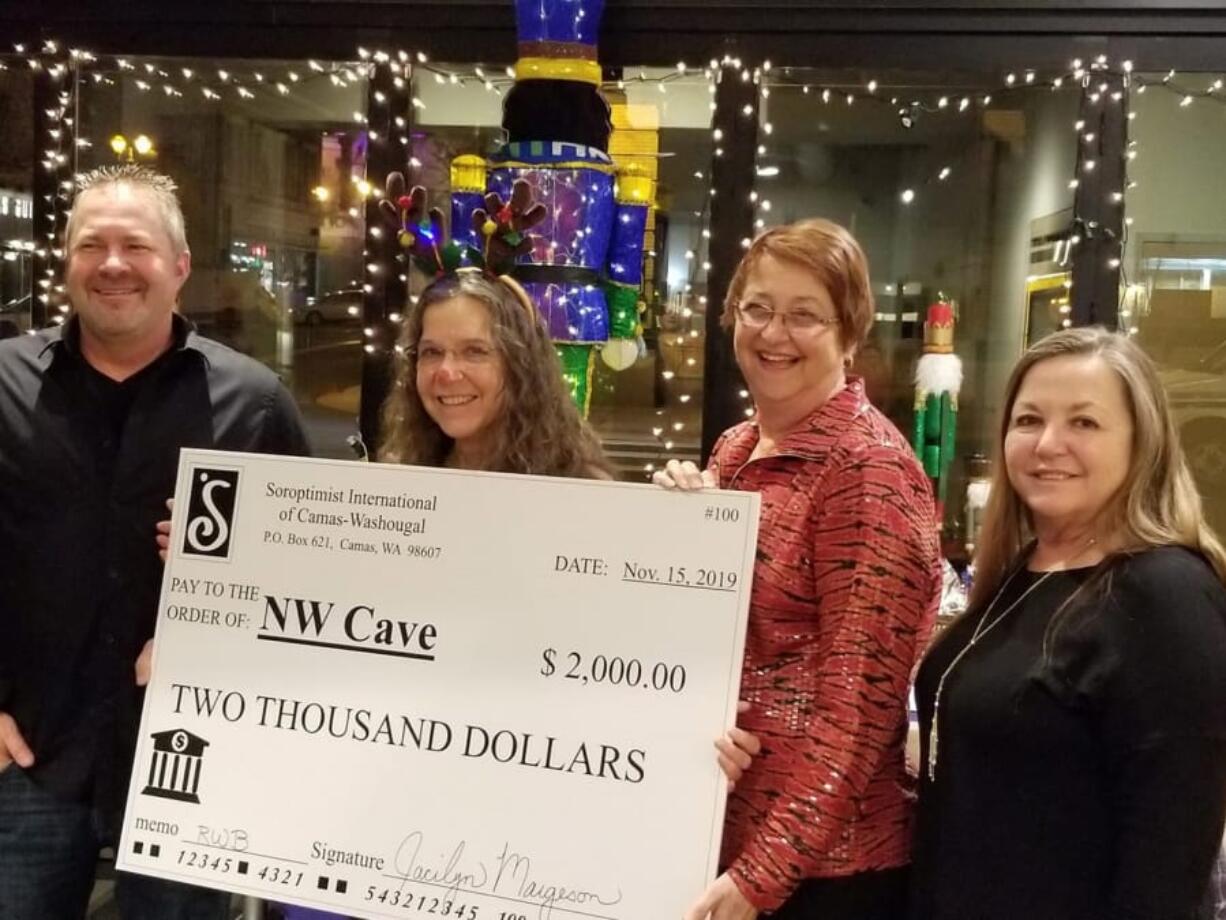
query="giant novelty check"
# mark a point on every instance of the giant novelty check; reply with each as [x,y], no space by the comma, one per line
[400,692]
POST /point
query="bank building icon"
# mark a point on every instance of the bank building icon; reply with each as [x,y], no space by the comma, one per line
[174,772]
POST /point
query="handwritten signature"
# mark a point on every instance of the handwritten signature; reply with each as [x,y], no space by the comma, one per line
[509,874]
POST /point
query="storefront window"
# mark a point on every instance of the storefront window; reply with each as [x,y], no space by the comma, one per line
[958,189]
[16,198]
[269,157]
[1175,260]
[642,392]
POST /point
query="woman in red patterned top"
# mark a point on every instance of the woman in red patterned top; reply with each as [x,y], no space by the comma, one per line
[845,590]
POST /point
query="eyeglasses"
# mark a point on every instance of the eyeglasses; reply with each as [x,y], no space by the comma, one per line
[759,316]
[474,354]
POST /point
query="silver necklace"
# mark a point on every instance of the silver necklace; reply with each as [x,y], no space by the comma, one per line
[980,631]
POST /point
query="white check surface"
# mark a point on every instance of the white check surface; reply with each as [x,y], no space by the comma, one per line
[403,692]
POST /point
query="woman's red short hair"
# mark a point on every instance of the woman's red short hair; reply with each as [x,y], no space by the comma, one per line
[836,260]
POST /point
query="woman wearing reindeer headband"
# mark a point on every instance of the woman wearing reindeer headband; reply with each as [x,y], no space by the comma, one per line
[478,384]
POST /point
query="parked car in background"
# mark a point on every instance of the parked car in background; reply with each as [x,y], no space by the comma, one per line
[1198,399]
[14,316]
[343,306]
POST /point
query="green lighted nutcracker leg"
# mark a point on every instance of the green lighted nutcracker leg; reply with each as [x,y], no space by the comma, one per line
[918,427]
[949,430]
[623,310]
[949,433]
[931,455]
[577,366]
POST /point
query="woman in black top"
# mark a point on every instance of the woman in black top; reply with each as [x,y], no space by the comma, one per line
[1073,723]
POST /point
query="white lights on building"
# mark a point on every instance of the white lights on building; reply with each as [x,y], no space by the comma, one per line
[17,206]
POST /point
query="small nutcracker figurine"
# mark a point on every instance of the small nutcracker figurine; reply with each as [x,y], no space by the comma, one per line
[938,378]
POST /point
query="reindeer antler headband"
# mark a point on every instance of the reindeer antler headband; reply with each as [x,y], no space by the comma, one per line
[502,226]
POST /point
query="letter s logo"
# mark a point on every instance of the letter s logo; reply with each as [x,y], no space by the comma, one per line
[211,524]
[210,513]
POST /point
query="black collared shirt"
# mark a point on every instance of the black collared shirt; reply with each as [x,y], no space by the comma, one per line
[86,465]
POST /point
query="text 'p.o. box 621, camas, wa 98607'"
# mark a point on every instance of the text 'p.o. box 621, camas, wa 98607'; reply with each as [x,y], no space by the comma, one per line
[390,691]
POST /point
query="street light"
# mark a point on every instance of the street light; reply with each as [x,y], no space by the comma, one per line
[141,146]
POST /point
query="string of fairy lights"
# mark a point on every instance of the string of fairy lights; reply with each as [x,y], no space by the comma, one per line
[682,386]
[64,141]
[1099,91]
[239,83]
[1135,294]
[57,156]
[1088,78]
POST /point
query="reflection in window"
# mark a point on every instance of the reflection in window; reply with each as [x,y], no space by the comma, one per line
[958,190]
[1049,278]
[1175,261]
[649,408]
[16,200]
[270,162]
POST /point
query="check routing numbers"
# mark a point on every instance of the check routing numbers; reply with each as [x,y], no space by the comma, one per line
[406,881]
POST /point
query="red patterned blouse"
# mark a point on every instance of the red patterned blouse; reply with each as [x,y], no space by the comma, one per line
[846,585]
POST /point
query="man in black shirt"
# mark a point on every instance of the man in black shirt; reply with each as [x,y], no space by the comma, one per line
[92,417]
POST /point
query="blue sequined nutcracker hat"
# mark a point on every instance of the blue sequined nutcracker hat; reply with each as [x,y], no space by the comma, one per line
[557,40]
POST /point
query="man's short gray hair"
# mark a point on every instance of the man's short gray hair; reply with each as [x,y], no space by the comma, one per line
[161,188]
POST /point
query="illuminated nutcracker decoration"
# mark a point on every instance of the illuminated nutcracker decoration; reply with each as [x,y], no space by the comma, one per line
[938,379]
[585,267]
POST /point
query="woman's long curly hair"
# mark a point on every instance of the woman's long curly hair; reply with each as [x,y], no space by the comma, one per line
[539,430]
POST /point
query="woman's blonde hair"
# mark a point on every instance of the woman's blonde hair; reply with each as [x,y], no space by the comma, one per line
[1156,505]
[539,430]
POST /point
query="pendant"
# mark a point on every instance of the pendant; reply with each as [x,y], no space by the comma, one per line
[932,749]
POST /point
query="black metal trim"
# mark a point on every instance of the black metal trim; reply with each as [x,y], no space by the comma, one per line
[1098,222]
[635,31]
[387,294]
[732,216]
[556,274]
